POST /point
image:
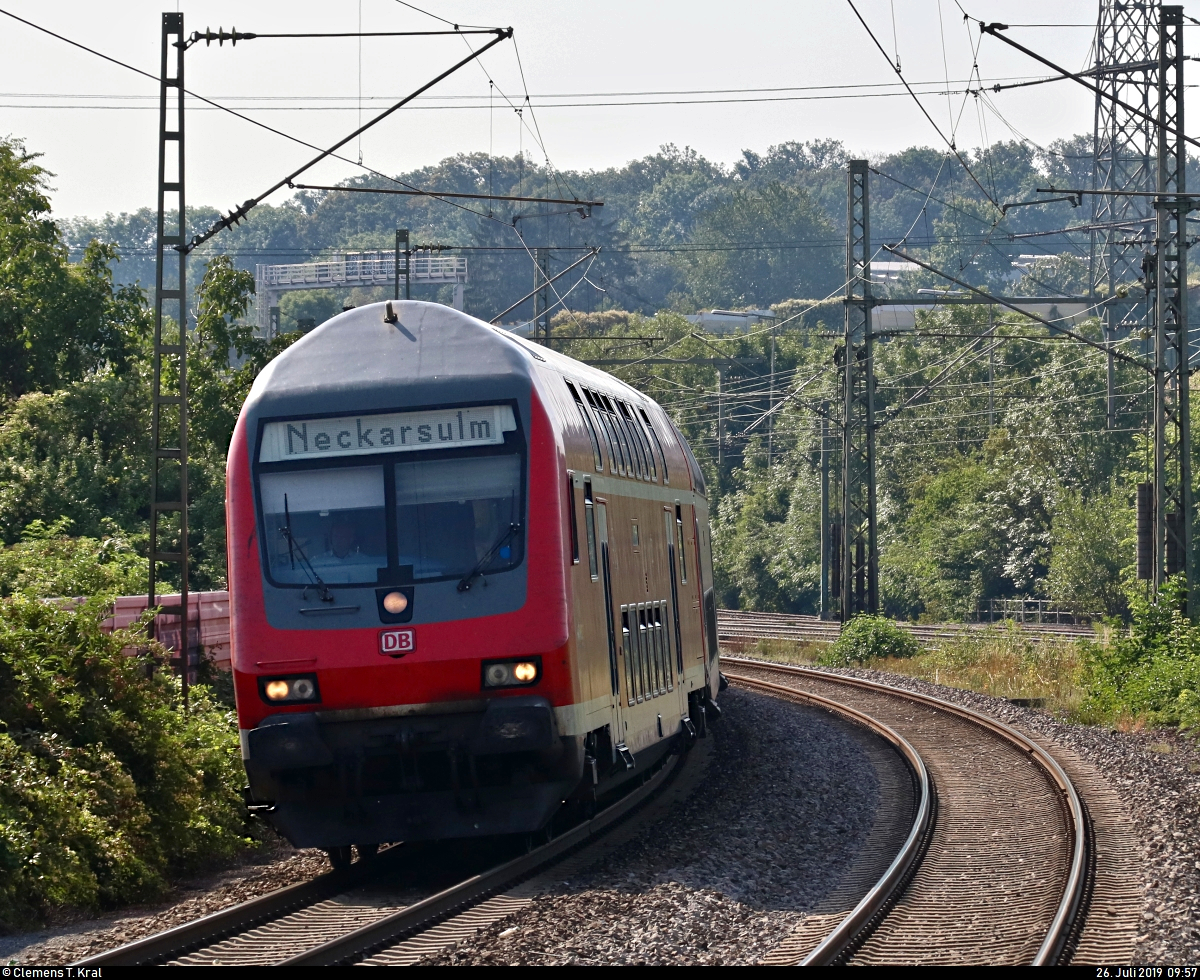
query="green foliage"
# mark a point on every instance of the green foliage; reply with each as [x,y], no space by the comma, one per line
[946,556]
[866,638]
[766,549]
[57,321]
[1152,670]
[109,787]
[1092,546]
[79,452]
[301,305]
[46,562]
[756,277]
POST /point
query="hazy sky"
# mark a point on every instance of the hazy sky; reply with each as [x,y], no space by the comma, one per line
[96,123]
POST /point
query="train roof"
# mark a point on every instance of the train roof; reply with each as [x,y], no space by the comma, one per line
[429,343]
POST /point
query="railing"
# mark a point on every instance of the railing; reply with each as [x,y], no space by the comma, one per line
[1032,611]
[362,268]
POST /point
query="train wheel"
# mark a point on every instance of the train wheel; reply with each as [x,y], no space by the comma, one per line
[339,857]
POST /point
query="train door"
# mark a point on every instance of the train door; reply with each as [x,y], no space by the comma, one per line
[619,723]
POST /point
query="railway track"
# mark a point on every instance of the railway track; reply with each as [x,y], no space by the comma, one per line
[735,626]
[367,915]
[996,868]
[993,863]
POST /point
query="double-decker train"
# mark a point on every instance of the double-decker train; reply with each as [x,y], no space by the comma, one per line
[470,581]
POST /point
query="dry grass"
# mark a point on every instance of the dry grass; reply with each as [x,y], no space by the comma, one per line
[1005,664]
[1000,661]
[781,651]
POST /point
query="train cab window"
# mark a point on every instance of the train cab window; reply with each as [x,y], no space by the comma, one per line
[452,514]
[589,527]
[682,549]
[331,519]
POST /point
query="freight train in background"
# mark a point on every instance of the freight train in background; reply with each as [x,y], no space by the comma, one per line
[471,583]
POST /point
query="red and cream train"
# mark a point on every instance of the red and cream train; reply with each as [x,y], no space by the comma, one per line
[470,580]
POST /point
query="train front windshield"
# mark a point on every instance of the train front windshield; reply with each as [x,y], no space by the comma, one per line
[447,517]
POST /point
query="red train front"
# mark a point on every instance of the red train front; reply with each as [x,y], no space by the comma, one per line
[469,581]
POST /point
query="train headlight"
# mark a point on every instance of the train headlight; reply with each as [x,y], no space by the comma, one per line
[395,602]
[512,673]
[298,689]
[277,690]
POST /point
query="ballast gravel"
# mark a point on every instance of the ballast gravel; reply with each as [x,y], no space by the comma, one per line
[728,875]
[1157,775]
[274,865]
[790,796]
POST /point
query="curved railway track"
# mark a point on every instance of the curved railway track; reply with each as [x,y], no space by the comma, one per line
[736,626]
[996,867]
[358,916]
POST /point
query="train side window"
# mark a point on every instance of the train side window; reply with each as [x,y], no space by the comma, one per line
[614,450]
[633,464]
[627,641]
[656,683]
[668,518]
[682,549]
[644,667]
[637,540]
[657,445]
[589,527]
[635,445]
[572,517]
[637,438]
[648,449]
[588,425]
[635,427]
[624,464]
[662,624]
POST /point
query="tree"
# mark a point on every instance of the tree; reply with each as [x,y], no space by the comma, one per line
[1092,547]
[801,254]
[57,321]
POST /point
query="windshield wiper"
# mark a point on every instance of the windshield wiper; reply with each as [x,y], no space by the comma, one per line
[293,547]
[465,582]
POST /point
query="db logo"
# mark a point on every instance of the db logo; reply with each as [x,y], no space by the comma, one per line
[396,643]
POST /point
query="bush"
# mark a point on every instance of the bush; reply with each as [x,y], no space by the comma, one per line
[45,562]
[1151,671]
[109,788]
[867,638]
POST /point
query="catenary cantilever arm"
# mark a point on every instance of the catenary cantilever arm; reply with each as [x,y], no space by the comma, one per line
[236,215]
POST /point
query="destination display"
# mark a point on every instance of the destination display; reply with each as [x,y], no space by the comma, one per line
[360,435]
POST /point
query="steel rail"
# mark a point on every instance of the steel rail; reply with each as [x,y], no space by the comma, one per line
[888,887]
[1076,884]
[189,936]
[225,923]
[421,915]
